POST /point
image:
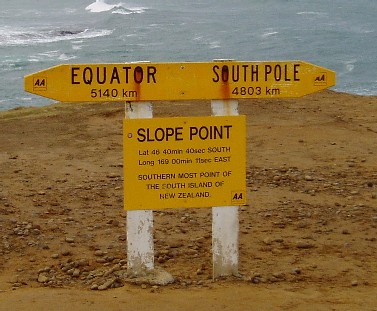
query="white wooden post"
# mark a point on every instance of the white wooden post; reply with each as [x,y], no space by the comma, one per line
[140,249]
[225,223]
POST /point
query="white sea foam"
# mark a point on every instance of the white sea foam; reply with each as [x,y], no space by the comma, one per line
[310,13]
[76,47]
[10,64]
[52,55]
[101,6]
[29,36]
[214,45]
[127,11]
[65,57]
[350,67]
[269,33]
[119,8]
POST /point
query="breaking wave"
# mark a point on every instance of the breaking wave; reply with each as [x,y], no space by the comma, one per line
[120,8]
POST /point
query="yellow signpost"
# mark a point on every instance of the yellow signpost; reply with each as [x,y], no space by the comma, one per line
[184,162]
[179,81]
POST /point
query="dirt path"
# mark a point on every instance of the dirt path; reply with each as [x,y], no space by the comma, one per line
[223,297]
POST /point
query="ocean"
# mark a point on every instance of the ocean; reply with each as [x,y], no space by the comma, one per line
[340,35]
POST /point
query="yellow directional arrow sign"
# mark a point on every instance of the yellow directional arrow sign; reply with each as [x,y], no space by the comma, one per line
[179,81]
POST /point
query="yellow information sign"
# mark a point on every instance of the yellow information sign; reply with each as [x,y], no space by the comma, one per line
[184,162]
[179,81]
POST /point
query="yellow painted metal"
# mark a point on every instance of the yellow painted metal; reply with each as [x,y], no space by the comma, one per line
[179,81]
[184,162]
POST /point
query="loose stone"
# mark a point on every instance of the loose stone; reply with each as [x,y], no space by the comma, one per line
[66,252]
[69,240]
[42,278]
[99,253]
[76,273]
[106,285]
[304,245]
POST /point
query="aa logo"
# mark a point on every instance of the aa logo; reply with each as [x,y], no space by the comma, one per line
[40,84]
[321,79]
[238,197]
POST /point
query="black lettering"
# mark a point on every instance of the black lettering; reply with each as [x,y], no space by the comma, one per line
[237,196]
[235,73]
[254,73]
[245,72]
[228,127]
[179,133]
[286,73]
[138,75]
[225,73]
[193,131]
[176,132]
[217,77]
[74,75]
[277,73]
[115,76]
[156,132]
[141,135]
[160,134]
[127,68]
[99,74]
[41,82]
[204,135]
[87,75]
[217,131]
[151,74]
[267,71]
[211,132]
[169,132]
[295,72]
